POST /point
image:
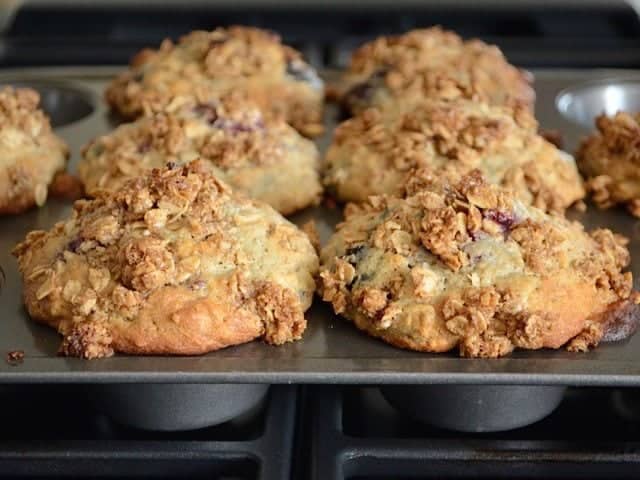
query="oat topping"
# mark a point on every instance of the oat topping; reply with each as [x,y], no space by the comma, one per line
[30,154]
[466,264]
[372,152]
[252,153]
[609,159]
[178,235]
[207,64]
[432,63]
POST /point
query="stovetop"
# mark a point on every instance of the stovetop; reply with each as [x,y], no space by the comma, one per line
[532,34]
[321,432]
[316,433]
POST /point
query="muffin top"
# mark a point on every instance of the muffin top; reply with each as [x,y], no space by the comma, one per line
[248,150]
[206,63]
[373,151]
[609,158]
[471,266]
[29,150]
[172,262]
[432,63]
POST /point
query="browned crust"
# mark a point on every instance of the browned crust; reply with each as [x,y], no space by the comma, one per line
[173,263]
[263,157]
[466,265]
[245,59]
[433,63]
[31,153]
[609,159]
[374,152]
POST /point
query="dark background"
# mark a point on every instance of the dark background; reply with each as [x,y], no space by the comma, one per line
[566,34]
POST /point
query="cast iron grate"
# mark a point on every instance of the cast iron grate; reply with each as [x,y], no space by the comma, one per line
[561,34]
[357,435]
[52,432]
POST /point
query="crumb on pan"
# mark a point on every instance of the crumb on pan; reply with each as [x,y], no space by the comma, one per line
[329,201]
[66,186]
[87,340]
[15,357]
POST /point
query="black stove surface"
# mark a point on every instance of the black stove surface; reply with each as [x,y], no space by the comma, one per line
[54,432]
[559,34]
[316,432]
[339,432]
[356,434]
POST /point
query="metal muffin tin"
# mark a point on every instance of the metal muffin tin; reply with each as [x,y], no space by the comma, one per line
[332,350]
[582,103]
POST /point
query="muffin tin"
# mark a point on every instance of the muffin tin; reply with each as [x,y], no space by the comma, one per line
[584,102]
[332,350]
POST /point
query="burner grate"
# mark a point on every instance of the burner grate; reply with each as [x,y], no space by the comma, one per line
[357,435]
[75,441]
[603,35]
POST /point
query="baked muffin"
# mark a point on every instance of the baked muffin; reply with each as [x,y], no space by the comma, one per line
[431,63]
[264,157]
[31,153]
[207,64]
[171,263]
[471,266]
[610,161]
[372,152]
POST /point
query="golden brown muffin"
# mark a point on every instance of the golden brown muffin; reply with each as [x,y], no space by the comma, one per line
[472,267]
[208,64]
[266,158]
[372,152]
[610,161]
[30,154]
[431,63]
[172,263]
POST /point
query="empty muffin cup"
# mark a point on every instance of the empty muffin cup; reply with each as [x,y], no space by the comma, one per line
[170,407]
[581,104]
[475,408]
[63,103]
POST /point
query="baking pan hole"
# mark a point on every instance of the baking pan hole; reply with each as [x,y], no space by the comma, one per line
[475,408]
[64,104]
[583,103]
[173,407]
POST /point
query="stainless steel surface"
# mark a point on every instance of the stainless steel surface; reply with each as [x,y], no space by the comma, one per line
[332,350]
[475,408]
[582,103]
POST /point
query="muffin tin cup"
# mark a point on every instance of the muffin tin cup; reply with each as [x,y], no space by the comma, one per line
[64,102]
[332,350]
[475,408]
[171,407]
[582,103]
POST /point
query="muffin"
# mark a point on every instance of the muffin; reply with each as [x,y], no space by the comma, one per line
[208,64]
[31,153]
[470,266]
[171,263]
[431,63]
[372,152]
[266,158]
[610,161]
